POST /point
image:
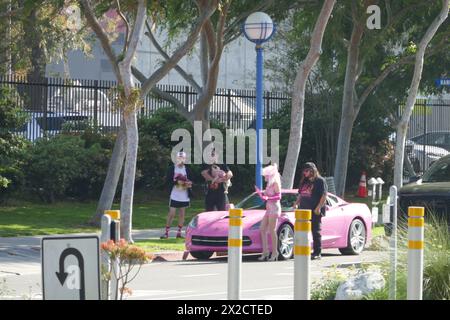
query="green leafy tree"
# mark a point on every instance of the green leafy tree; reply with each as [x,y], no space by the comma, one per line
[38,32]
[361,68]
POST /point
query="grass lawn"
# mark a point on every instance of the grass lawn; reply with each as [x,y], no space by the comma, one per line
[155,245]
[30,219]
[377,231]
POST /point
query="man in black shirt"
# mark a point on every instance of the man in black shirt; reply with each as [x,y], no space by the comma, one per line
[312,195]
[216,194]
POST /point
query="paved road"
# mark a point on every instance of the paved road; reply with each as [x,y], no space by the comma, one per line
[194,279]
[260,280]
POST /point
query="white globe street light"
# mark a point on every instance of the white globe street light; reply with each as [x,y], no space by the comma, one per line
[258,28]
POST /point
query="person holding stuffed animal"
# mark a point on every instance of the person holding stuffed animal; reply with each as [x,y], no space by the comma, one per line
[216,175]
[219,175]
[272,196]
[179,182]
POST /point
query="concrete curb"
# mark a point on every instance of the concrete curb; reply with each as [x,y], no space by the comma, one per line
[171,256]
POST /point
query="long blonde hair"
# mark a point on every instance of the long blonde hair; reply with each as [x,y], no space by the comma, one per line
[271,171]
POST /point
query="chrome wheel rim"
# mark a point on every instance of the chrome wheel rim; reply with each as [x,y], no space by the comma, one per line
[286,241]
[357,236]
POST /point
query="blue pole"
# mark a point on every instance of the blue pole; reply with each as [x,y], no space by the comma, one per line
[259,114]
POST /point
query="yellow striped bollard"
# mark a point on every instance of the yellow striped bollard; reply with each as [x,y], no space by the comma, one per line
[115,224]
[234,254]
[302,254]
[415,252]
[114,234]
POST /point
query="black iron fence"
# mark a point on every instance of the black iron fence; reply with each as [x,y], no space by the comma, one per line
[428,136]
[56,104]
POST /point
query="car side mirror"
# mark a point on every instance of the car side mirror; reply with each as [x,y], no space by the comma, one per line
[415,178]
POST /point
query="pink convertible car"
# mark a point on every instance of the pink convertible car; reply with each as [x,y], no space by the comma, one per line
[346,226]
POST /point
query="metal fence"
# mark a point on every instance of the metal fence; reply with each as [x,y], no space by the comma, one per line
[428,136]
[56,104]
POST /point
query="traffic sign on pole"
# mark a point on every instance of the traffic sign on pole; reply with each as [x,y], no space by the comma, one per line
[70,268]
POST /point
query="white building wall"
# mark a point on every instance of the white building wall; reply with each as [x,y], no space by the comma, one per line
[237,66]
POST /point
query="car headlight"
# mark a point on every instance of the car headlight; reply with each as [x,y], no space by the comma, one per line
[255,226]
[194,222]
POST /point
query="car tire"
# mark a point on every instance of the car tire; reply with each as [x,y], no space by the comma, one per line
[356,238]
[202,255]
[285,242]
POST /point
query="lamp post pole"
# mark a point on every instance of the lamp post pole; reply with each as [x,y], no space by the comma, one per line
[259,113]
[258,28]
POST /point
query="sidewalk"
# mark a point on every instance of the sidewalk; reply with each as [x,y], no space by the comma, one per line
[22,255]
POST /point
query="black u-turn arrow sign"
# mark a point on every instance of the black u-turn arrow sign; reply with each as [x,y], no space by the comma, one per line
[62,274]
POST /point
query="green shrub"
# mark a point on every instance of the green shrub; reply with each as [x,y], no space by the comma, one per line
[53,164]
[94,165]
[152,163]
[436,273]
[12,146]
[326,290]
[62,166]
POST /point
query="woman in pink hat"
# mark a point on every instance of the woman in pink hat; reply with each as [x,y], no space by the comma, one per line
[272,196]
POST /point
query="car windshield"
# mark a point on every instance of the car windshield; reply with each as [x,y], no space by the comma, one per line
[254,202]
[439,172]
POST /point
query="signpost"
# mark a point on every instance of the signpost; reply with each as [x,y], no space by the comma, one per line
[70,268]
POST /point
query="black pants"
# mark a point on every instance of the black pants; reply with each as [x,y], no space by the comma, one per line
[215,200]
[317,237]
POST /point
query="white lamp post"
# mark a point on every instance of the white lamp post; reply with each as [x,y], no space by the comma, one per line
[258,28]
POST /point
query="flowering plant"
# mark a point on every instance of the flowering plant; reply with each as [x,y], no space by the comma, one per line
[124,258]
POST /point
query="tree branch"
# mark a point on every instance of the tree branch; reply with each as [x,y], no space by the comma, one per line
[138,26]
[181,51]
[127,26]
[405,60]
[101,34]
[163,95]
[164,54]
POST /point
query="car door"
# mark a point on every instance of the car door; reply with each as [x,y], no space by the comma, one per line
[331,222]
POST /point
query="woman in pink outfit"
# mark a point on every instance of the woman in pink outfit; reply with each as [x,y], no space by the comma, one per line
[272,196]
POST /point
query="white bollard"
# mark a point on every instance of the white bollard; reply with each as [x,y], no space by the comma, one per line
[415,252]
[234,254]
[105,263]
[373,182]
[393,243]
[380,188]
[302,255]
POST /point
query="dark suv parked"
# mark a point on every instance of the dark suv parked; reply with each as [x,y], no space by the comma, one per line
[432,191]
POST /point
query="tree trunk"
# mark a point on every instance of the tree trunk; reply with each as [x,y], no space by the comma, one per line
[112,177]
[34,38]
[298,95]
[412,94]
[348,114]
[126,201]
[343,149]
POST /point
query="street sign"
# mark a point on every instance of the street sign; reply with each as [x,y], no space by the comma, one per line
[70,268]
[443,82]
